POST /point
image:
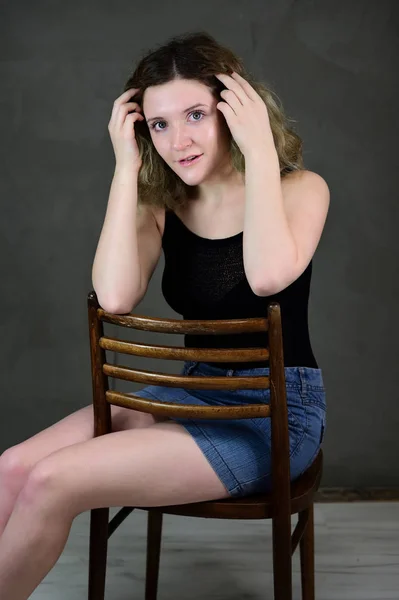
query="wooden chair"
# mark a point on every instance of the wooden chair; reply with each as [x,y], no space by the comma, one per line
[285,499]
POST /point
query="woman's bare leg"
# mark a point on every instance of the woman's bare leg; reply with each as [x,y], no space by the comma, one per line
[155,466]
[17,462]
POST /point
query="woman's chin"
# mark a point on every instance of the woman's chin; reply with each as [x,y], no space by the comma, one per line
[191,178]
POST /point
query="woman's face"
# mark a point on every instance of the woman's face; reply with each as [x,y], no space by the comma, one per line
[177,132]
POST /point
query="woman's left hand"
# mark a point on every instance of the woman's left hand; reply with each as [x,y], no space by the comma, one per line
[246,114]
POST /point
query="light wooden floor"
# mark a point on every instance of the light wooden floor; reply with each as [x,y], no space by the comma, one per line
[357,557]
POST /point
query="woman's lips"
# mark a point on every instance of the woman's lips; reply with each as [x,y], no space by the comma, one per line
[187,163]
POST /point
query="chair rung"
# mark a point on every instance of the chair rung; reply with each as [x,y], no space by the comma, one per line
[186,381]
[190,411]
[182,353]
[186,326]
[118,519]
[298,531]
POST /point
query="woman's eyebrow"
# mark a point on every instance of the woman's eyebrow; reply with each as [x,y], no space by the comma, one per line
[183,111]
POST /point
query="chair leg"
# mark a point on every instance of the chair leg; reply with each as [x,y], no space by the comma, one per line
[98,552]
[154,535]
[307,558]
[282,560]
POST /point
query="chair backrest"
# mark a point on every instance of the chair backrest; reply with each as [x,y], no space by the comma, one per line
[103,397]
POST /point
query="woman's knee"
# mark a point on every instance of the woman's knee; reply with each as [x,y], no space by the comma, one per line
[14,468]
[17,462]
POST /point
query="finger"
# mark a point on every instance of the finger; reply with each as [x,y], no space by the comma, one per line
[121,110]
[122,99]
[130,92]
[247,87]
[130,119]
[131,105]
[231,98]
[123,113]
[233,85]
[227,111]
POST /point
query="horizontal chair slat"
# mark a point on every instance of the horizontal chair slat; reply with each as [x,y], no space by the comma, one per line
[182,353]
[187,381]
[180,326]
[190,411]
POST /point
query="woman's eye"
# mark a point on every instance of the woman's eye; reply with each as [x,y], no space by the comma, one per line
[195,112]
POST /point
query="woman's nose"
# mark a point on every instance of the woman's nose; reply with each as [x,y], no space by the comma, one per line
[180,138]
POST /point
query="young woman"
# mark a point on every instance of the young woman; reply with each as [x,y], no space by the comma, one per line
[239,225]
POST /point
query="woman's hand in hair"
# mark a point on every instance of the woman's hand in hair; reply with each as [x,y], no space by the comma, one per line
[121,130]
[246,114]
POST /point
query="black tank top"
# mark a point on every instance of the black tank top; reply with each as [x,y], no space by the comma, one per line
[205,279]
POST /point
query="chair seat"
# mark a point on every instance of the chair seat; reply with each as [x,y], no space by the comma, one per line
[257,506]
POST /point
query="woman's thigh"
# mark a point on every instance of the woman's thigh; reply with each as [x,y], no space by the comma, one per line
[72,429]
[153,466]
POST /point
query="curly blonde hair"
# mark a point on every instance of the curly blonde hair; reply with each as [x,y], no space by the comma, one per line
[198,56]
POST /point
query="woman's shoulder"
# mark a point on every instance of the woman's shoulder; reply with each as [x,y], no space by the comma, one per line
[297,175]
[160,212]
[159,216]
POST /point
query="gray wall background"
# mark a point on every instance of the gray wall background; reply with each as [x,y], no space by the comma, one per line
[333,64]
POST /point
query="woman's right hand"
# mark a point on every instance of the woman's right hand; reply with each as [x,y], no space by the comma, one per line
[121,130]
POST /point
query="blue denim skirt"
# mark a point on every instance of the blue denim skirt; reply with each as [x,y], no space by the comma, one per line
[239,450]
